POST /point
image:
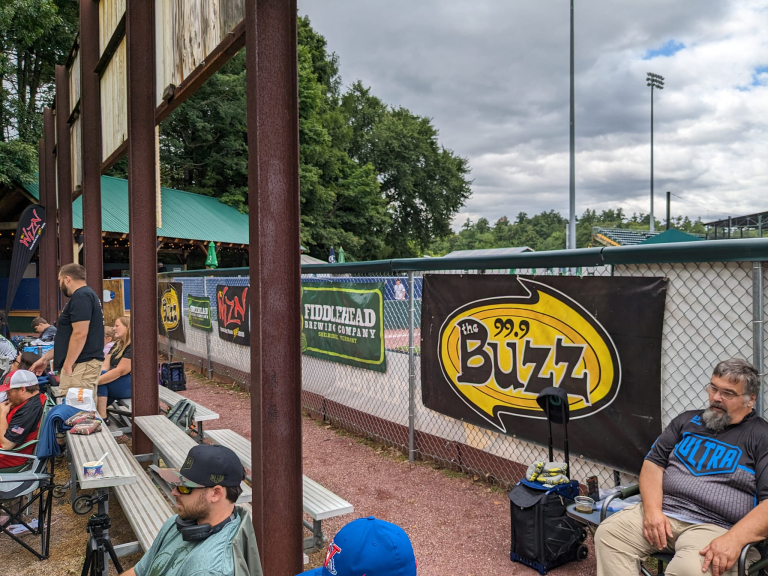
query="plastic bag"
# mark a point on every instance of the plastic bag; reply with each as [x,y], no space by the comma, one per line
[86,427]
[81,398]
[80,416]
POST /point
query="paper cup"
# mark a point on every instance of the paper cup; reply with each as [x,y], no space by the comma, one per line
[93,470]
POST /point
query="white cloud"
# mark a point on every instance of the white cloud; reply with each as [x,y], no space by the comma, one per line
[494,78]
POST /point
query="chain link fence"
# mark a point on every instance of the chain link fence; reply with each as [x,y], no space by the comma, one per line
[714,310]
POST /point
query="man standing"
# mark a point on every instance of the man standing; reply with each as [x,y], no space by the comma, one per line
[399,290]
[210,536]
[704,486]
[46,331]
[78,349]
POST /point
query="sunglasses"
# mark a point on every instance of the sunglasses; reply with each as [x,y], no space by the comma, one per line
[184,489]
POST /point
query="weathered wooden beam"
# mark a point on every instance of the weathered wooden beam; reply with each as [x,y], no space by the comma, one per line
[111,47]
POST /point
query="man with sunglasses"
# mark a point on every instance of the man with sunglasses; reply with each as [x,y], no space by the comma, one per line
[210,535]
[704,486]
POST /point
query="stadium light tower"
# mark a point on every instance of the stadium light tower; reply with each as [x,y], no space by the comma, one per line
[571,243]
[654,81]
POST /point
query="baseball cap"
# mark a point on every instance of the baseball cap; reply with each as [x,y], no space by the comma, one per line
[206,465]
[368,547]
[18,379]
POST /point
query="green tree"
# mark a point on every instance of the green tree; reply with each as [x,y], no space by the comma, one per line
[35,35]
[424,183]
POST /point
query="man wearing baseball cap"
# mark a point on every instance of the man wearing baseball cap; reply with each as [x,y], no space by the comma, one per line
[21,408]
[210,535]
[368,547]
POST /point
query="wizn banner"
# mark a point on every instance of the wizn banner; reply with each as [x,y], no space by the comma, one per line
[30,229]
[199,308]
[234,312]
[344,323]
[490,344]
[171,324]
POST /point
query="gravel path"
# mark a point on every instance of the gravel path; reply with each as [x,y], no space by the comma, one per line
[457,526]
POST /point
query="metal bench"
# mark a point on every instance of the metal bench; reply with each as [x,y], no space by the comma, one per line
[202,414]
[172,444]
[318,502]
[144,504]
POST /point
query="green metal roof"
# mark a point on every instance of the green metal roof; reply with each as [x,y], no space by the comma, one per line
[672,235]
[185,215]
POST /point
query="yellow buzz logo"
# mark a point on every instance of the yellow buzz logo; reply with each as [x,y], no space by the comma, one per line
[499,353]
[170,310]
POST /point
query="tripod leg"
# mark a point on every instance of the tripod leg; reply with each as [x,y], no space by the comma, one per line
[88,559]
[113,555]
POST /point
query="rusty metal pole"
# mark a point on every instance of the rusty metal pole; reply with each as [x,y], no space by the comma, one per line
[142,184]
[64,165]
[49,243]
[45,282]
[90,117]
[274,253]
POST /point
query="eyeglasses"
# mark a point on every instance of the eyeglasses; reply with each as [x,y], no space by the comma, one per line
[184,489]
[726,394]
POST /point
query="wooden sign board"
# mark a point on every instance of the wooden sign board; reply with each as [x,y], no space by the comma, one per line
[114,103]
[186,32]
[114,304]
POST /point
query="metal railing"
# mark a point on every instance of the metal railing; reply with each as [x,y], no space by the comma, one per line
[715,309]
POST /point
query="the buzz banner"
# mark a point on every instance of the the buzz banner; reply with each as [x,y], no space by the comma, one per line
[170,313]
[491,344]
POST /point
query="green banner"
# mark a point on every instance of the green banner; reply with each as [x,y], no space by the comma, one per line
[199,308]
[344,323]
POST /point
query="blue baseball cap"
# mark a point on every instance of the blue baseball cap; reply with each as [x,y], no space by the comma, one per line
[368,547]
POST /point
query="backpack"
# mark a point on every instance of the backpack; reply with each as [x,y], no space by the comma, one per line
[172,376]
[183,414]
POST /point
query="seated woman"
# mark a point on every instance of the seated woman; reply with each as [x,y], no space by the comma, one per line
[115,379]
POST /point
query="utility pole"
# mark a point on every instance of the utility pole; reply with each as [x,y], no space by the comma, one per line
[654,81]
[669,199]
[572,195]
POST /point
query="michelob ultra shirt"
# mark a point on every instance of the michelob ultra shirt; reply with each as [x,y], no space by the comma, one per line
[712,477]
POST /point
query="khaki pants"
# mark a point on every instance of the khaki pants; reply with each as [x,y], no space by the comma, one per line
[620,545]
[85,375]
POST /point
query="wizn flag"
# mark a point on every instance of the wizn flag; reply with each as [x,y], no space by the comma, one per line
[28,233]
[199,308]
[344,323]
[490,344]
[234,312]
[171,319]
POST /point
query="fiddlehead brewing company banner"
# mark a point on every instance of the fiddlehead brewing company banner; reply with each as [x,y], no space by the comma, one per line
[490,344]
[344,322]
[171,321]
[199,308]
[234,313]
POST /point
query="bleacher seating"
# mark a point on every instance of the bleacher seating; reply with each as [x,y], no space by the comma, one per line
[620,236]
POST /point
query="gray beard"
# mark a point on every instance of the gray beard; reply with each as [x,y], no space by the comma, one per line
[715,421]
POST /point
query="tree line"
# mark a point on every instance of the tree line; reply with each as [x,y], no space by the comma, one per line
[547,231]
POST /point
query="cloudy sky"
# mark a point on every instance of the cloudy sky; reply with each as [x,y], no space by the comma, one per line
[494,77]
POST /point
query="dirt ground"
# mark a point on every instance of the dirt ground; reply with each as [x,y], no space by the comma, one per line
[458,526]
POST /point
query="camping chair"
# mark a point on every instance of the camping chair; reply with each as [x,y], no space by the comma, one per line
[33,480]
[664,559]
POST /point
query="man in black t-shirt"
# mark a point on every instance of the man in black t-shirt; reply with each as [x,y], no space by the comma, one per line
[78,348]
[704,486]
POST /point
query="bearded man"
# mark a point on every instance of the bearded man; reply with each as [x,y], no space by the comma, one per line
[704,486]
[210,536]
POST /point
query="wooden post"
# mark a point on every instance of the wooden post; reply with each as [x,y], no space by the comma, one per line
[275,295]
[64,165]
[90,116]
[49,241]
[43,265]
[142,188]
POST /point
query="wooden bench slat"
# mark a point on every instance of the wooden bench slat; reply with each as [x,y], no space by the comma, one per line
[144,504]
[174,444]
[317,501]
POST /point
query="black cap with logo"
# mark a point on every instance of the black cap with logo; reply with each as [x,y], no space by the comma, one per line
[206,466]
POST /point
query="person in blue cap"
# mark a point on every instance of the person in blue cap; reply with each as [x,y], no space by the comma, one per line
[368,547]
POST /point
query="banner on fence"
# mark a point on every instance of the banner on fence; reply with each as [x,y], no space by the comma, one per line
[234,312]
[344,322]
[490,344]
[171,324]
[199,308]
